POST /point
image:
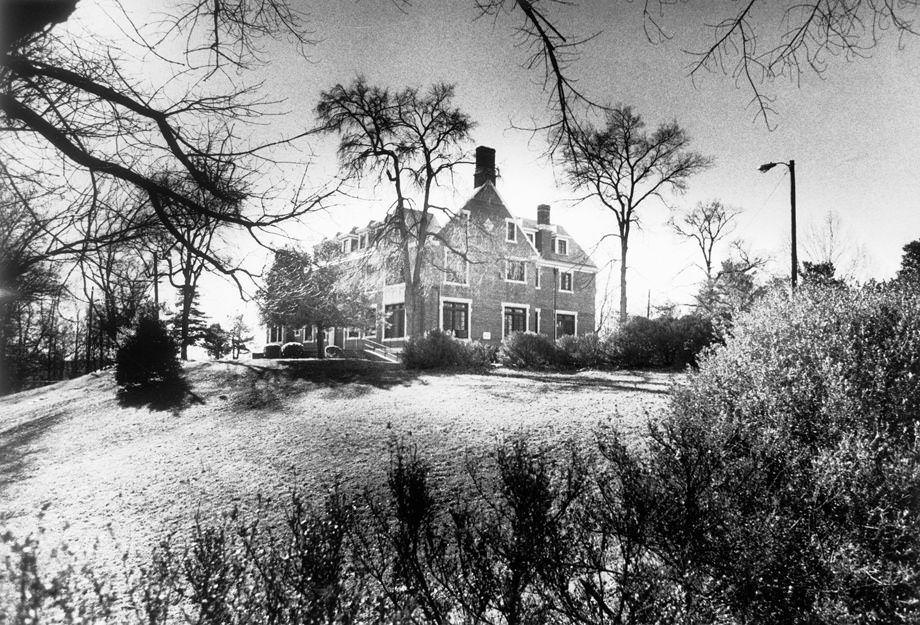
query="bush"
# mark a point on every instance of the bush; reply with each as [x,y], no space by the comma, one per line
[586,351]
[438,350]
[148,358]
[293,350]
[793,454]
[527,350]
[663,342]
[272,350]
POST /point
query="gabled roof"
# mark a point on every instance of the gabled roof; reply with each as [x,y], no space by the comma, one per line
[576,256]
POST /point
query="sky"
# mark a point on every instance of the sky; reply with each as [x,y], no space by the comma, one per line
[852,132]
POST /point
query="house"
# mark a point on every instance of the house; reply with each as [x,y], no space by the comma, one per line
[488,273]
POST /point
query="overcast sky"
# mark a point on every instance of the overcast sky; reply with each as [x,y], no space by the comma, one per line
[853,133]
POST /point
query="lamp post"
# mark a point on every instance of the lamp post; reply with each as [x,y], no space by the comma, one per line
[791,165]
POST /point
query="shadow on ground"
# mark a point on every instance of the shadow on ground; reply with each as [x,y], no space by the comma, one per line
[563,382]
[17,444]
[267,384]
[171,395]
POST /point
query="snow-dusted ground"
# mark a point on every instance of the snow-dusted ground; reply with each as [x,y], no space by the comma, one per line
[257,427]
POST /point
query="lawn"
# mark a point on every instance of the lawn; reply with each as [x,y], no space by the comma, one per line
[257,427]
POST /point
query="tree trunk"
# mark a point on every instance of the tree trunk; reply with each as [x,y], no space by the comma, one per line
[183,334]
[623,248]
[415,319]
[5,373]
[320,342]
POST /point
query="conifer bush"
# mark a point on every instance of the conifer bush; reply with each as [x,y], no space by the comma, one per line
[528,350]
[272,350]
[148,358]
[586,351]
[438,350]
[293,350]
[666,342]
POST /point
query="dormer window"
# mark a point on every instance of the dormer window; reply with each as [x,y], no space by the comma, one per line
[510,231]
[352,245]
[530,237]
[345,246]
[562,247]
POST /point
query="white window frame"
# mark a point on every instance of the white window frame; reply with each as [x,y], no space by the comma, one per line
[556,322]
[538,313]
[469,314]
[505,273]
[466,268]
[515,305]
[556,246]
[571,281]
[536,282]
[405,335]
[513,230]
[362,241]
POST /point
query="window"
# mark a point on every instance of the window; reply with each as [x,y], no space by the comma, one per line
[536,320]
[510,231]
[515,271]
[565,281]
[455,268]
[562,247]
[370,322]
[530,238]
[308,333]
[515,320]
[395,321]
[565,324]
[352,245]
[362,241]
[275,334]
[536,277]
[345,246]
[455,319]
[354,333]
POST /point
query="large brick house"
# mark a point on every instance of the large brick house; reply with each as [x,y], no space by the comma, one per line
[488,273]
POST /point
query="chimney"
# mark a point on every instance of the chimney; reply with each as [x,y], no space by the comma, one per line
[543,215]
[485,166]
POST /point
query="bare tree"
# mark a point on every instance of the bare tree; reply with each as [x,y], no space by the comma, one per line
[86,122]
[754,47]
[408,140]
[706,224]
[828,242]
[624,166]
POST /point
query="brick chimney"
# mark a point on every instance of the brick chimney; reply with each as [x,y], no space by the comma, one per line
[543,215]
[485,166]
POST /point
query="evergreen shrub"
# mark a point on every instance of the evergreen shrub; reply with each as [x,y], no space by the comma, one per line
[148,358]
[439,350]
[528,350]
[293,350]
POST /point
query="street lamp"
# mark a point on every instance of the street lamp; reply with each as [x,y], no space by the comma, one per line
[791,165]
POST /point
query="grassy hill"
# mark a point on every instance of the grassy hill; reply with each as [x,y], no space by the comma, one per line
[253,428]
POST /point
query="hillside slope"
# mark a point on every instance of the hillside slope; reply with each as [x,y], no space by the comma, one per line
[253,427]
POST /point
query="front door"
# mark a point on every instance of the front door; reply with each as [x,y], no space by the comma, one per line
[340,337]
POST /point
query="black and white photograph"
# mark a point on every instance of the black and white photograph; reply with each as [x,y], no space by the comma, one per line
[459,312]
